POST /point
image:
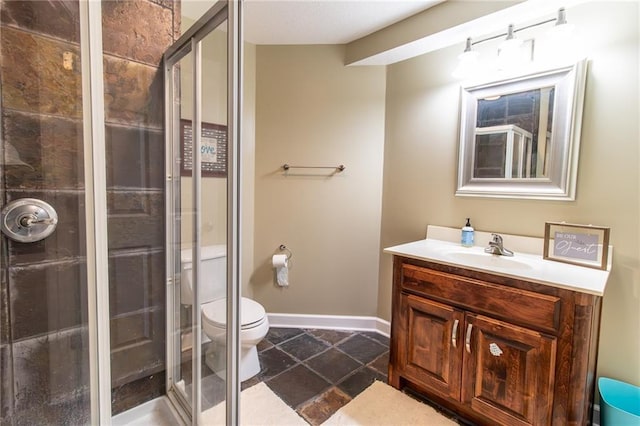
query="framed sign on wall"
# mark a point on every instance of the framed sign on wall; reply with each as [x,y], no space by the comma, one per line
[213,149]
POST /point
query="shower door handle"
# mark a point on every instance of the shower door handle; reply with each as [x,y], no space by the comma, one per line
[28,220]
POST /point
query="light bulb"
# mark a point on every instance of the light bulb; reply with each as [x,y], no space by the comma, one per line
[468,54]
[467,62]
[511,42]
[561,29]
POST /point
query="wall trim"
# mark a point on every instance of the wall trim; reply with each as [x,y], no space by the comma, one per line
[333,322]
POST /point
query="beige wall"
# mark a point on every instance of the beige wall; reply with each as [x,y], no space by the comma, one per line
[311,110]
[421,159]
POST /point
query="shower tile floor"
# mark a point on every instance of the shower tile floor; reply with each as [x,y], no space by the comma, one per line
[315,372]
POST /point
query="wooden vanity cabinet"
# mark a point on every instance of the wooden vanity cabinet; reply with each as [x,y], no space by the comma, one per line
[492,349]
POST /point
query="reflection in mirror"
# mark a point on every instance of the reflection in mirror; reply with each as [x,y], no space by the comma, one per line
[512,133]
[519,137]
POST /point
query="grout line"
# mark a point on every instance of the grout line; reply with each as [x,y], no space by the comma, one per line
[350,334]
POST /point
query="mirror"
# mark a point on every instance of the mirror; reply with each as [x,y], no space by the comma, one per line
[519,138]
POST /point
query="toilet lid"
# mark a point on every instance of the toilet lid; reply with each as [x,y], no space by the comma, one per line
[251,313]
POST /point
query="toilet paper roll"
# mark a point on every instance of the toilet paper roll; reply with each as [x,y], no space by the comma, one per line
[280,262]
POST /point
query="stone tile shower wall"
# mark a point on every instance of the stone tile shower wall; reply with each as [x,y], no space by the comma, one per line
[135,35]
[43,285]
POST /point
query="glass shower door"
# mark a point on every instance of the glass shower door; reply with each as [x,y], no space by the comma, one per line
[44,287]
[202,211]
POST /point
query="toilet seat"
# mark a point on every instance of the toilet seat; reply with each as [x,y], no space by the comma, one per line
[252,314]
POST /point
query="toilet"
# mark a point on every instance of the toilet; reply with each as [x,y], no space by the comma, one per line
[253,317]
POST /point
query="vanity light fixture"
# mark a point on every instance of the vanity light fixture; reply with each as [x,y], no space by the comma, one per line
[509,48]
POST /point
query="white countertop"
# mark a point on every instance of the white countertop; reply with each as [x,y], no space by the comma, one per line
[530,267]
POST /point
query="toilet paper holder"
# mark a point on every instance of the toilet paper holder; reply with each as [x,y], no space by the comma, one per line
[284,248]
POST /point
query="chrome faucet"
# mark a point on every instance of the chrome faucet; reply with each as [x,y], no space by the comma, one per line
[496,246]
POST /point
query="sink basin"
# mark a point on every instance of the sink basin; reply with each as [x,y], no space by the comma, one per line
[487,261]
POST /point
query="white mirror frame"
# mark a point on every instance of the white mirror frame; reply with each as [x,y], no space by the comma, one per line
[560,184]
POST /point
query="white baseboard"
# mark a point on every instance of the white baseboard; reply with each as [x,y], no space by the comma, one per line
[333,322]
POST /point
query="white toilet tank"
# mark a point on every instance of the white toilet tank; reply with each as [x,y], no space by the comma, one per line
[213,274]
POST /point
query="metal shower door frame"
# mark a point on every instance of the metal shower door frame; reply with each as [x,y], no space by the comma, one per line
[190,42]
[94,147]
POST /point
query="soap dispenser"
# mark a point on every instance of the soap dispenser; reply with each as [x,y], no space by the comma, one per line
[467,234]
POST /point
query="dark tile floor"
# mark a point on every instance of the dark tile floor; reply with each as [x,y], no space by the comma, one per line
[315,372]
[318,371]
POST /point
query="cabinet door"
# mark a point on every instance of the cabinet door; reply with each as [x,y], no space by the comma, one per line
[431,350]
[508,372]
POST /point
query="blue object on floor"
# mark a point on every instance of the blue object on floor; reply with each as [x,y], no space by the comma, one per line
[619,403]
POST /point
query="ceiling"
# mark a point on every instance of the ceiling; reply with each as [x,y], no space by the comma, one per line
[314,21]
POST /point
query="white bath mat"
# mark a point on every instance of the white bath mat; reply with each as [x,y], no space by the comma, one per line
[381,404]
[259,406]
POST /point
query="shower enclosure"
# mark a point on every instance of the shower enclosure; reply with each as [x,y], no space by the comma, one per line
[90,325]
